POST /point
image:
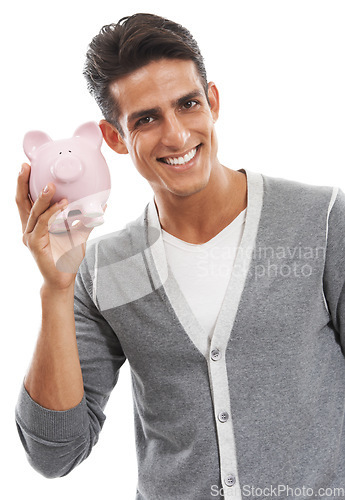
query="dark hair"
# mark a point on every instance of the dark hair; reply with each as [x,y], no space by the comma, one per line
[133,42]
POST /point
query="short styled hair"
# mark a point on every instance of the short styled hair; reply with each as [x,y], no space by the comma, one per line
[121,48]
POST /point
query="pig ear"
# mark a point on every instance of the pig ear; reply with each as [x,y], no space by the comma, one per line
[33,140]
[91,132]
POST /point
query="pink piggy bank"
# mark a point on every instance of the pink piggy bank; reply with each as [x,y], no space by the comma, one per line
[77,168]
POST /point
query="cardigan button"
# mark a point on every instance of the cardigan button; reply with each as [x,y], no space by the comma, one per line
[230,480]
[215,354]
[223,416]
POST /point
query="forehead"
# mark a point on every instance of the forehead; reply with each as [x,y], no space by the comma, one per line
[157,83]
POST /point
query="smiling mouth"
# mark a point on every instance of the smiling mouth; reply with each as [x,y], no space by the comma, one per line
[180,160]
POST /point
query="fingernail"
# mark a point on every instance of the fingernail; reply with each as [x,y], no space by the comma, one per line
[46,189]
[62,202]
[21,171]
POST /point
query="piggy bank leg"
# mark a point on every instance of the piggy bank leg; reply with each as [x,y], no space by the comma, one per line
[92,210]
[57,228]
[93,221]
[92,206]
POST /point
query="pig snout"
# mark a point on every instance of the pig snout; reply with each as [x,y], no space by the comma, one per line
[67,168]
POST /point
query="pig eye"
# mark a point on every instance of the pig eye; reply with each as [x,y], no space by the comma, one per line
[60,153]
[69,151]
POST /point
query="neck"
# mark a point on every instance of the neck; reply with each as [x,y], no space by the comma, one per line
[201,216]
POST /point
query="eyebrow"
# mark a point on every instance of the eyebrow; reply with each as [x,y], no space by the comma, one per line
[155,111]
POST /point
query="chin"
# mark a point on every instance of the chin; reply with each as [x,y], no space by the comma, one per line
[185,191]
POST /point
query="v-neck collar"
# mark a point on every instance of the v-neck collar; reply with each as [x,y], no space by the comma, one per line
[194,247]
[226,317]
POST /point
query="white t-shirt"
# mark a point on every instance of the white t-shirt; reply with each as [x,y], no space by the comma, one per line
[203,271]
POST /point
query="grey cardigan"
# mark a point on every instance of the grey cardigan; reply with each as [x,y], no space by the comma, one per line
[261,405]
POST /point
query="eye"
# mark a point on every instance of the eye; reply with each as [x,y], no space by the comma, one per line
[145,120]
[190,104]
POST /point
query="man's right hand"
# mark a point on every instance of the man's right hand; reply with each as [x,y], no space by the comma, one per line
[58,256]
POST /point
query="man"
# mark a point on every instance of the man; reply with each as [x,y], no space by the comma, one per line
[226,296]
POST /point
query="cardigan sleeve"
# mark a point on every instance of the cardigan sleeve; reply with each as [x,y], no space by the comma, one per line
[55,442]
[334,273]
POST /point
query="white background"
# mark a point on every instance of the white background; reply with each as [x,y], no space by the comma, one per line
[279,66]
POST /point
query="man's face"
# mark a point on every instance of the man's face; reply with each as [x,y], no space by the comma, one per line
[168,125]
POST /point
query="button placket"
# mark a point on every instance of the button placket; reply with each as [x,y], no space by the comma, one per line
[222,406]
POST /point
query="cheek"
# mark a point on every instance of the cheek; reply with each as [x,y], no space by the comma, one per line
[134,148]
[144,145]
[214,141]
[140,154]
[201,122]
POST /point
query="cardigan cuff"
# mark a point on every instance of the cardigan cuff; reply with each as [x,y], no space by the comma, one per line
[52,425]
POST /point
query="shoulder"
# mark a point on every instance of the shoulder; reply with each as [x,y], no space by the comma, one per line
[298,195]
[119,246]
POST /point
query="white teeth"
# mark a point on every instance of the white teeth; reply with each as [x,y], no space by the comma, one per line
[181,160]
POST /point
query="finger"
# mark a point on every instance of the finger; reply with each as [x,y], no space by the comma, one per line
[46,219]
[50,215]
[22,199]
[40,228]
[41,205]
[68,248]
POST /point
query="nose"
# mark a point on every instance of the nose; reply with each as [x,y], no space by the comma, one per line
[68,168]
[175,134]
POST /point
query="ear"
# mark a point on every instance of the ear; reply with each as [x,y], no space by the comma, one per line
[113,137]
[33,140]
[91,132]
[213,96]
